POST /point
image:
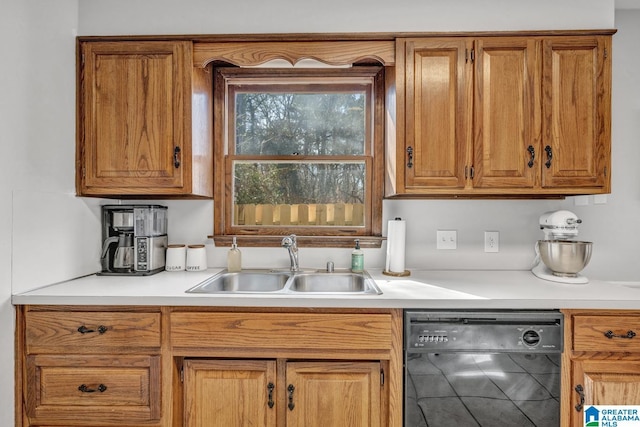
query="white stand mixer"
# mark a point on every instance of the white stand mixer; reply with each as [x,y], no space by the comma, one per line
[557,225]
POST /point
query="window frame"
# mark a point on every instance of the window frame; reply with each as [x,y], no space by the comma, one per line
[313,236]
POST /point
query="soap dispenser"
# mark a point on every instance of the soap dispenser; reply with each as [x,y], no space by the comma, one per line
[234,258]
[357,259]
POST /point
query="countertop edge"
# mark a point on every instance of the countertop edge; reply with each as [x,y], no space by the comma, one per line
[505,289]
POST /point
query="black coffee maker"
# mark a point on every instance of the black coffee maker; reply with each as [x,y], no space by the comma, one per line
[134,239]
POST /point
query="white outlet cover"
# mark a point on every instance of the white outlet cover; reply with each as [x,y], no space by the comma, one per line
[492,241]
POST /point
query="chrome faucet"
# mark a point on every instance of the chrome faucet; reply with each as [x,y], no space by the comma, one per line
[290,243]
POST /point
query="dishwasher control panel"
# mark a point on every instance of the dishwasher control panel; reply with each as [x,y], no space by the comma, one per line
[497,331]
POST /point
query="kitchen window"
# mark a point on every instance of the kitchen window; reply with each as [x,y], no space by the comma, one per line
[299,151]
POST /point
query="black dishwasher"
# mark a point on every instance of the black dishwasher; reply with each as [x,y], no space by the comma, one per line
[482,368]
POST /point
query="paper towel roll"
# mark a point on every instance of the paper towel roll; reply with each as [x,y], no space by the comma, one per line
[396,232]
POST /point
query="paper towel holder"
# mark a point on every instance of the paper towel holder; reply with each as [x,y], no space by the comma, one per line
[387,271]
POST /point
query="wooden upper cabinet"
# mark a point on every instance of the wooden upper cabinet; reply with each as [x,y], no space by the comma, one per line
[144,120]
[503,115]
[437,107]
[507,113]
[577,113]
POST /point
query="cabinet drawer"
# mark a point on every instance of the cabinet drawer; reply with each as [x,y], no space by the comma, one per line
[100,388]
[606,333]
[309,331]
[90,332]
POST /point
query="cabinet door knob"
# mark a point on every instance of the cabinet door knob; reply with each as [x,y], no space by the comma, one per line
[176,160]
[410,156]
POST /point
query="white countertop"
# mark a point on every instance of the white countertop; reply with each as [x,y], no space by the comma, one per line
[422,289]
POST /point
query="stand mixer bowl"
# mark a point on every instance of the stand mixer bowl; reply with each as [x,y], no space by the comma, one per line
[565,258]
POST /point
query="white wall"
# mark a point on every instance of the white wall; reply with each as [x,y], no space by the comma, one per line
[290,16]
[615,226]
[516,220]
[37,137]
[37,112]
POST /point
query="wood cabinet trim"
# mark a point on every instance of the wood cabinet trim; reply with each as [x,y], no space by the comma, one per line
[335,53]
[311,332]
[376,36]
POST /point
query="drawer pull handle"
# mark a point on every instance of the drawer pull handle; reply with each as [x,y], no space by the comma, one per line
[291,389]
[410,155]
[101,388]
[630,334]
[580,392]
[84,330]
[270,387]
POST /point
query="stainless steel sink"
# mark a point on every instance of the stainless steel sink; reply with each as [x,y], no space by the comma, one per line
[288,282]
[243,281]
[335,282]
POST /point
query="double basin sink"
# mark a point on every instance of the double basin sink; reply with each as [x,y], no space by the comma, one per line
[289,282]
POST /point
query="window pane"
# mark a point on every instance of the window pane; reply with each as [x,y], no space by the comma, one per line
[300,123]
[298,193]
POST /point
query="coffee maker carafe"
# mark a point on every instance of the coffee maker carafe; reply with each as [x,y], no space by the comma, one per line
[123,261]
[134,239]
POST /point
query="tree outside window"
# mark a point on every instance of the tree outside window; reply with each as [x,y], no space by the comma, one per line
[299,149]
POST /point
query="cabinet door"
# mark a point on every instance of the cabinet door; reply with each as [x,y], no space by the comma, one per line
[321,394]
[438,99]
[507,112]
[135,97]
[576,110]
[603,382]
[229,393]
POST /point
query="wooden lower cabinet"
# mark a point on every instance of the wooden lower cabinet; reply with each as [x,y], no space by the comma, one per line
[601,361]
[208,366]
[228,393]
[323,394]
[288,367]
[117,389]
[607,382]
[236,393]
[88,366]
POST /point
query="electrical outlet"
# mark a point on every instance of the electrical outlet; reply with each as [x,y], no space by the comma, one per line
[447,239]
[491,241]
